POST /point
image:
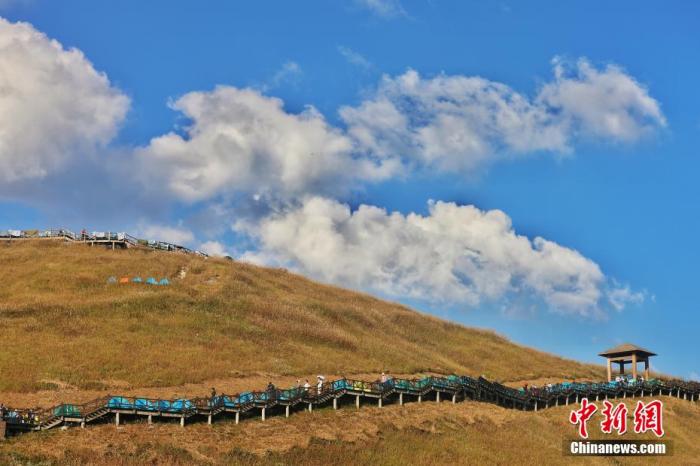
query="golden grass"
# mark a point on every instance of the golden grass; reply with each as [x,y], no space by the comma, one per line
[417,434]
[64,325]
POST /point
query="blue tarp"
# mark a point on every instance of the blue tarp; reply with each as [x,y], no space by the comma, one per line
[146,405]
[164,281]
[119,402]
[151,281]
[137,280]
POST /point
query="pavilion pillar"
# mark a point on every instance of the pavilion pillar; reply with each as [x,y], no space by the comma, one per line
[238,416]
[286,411]
[437,397]
[622,367]
[116,420]
[454,398]
[182,421]
[209,419]
[634,365]
[311,407]
[401,399]
[646,369]
[609,370]
[420,398]
[379,402]
[335,403]
[357,401]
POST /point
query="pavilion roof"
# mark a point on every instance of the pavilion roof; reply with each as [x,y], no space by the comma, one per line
[626,348]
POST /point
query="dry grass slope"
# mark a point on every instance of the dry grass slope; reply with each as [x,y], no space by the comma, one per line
[64,325]
[425,434]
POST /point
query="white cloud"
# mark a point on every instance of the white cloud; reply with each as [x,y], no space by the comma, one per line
[605,103]
[354,58]
[174,235]
[214,248]
[383,8]
[242,141]
[290,72]
[459,123]
[456,254]
[54,106]
[622,296]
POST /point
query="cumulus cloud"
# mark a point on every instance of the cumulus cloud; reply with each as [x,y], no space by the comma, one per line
[458,123]
[54,106]
[455,254]
[169,234]
[383,8]
[243,141]
[605,103]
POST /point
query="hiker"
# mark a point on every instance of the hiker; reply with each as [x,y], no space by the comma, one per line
[271,391]
[307,386]
[213,395]
[383,378]
[320,383]
[298,385]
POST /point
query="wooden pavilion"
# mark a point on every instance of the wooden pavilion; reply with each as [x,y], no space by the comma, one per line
[627,353]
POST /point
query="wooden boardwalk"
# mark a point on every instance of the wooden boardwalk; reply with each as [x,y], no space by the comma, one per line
[344,391]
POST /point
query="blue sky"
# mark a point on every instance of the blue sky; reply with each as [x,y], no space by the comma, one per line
[600,163]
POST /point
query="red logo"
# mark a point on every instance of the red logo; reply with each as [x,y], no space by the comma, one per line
[614,418]
[581,416]
[649,417]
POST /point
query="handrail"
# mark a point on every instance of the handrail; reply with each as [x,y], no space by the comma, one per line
[47,417]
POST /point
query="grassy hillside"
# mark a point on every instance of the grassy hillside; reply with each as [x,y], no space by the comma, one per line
[63,325]
[68,335]
[420,434]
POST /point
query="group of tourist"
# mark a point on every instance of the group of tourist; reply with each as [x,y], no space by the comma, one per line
[17,417]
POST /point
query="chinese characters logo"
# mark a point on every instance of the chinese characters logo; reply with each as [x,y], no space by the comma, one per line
[648,417]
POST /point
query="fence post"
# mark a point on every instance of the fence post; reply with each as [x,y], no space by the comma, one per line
[401,399]
[116,420]
[182,421]
[238,416]
[357,401]
[437,398]
[263,414]
[286,411]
